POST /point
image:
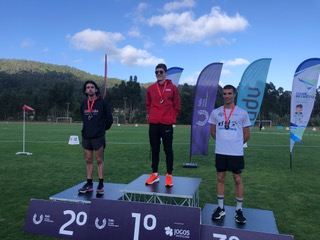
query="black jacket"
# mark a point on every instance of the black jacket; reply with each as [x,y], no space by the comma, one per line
[96,122]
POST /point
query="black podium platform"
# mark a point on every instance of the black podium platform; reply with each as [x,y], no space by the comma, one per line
[184,192]
[111,191]
[257,220]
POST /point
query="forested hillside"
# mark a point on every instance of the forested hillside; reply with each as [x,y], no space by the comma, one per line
[46,87]
[56,91]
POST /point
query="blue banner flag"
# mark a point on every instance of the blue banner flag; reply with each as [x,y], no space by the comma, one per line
[204,101]
[174,74]
[252,86]
[304,89]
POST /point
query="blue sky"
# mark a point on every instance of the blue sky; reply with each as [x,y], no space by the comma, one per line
[137,35]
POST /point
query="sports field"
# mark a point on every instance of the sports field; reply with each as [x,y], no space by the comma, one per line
[54,166]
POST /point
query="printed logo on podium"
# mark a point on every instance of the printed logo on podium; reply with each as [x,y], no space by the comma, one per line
[113,219]
[57,219]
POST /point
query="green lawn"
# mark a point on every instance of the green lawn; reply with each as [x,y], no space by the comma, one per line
[54,166]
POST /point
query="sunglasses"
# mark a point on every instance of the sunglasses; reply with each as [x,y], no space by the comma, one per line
[159,72]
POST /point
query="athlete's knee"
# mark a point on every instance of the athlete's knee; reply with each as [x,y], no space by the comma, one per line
[237,178]
[221,178]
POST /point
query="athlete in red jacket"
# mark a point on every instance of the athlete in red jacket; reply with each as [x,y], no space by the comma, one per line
[163,105]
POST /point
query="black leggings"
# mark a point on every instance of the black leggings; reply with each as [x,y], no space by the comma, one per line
[156,133]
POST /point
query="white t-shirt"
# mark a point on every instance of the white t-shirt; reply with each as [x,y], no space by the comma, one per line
[229,141]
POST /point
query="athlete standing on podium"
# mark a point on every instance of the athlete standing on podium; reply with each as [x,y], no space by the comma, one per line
[163,105]
[230,127]
[96,118]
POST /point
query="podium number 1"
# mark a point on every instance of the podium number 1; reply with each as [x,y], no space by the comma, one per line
[137,216]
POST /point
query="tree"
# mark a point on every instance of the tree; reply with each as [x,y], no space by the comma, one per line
[186,102]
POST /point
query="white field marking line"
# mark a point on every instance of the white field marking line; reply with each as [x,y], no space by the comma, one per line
[286,133]
[147,143]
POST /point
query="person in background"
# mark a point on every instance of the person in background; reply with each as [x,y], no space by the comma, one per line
[96,118]
[163,106]
[230,127]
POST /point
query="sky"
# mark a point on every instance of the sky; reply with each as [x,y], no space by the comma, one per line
[137,35]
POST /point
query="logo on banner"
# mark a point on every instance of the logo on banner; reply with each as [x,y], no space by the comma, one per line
[180,233]
[102,226]
[45,218]
[203,122]
[252,102]
[35,221]
[308,83]
[169,231]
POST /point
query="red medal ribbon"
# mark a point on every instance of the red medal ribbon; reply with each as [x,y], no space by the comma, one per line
[90,106]
[161,94]
[225,115]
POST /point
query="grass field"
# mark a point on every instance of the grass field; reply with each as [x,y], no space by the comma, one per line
[293,196]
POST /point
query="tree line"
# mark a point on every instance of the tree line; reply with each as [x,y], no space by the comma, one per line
[56,91]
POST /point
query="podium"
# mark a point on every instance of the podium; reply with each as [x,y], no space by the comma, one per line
[184,192]
[148,211]
[111,191]
[257,220]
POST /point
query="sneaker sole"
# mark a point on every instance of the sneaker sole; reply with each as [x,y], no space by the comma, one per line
[100,193]
[217,218]
[169,185]
[240,222]
[157,180]
[86,191]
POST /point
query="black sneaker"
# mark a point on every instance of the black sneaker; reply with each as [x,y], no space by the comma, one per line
[239,217]
[100,189]
[218,213]
[86,188]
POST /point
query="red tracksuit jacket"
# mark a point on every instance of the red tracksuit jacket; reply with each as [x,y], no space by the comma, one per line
[167,111]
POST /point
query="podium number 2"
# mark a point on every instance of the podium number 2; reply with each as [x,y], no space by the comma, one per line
[150,227]
[80,218]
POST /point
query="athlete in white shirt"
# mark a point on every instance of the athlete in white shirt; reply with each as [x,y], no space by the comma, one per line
[230,127]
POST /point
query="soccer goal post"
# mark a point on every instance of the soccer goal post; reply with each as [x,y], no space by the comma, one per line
[115,120]
[64,120]
[267,123]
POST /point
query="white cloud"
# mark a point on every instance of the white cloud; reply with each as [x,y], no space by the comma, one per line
[27,43]
[142,6]
[185,28]
[191,79]
[236,62]
[171,6]
[148,44]
[218,41]
[134,32]
[96,40]
[91,40]
[225,72]
[131,56]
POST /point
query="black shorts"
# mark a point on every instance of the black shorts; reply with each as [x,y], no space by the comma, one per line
[233,164]
[93,143]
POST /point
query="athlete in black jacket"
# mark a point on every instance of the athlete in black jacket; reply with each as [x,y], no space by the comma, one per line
[96,118]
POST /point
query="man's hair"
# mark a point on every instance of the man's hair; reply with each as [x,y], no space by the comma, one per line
[92,82]
[163,66]
[230,87]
